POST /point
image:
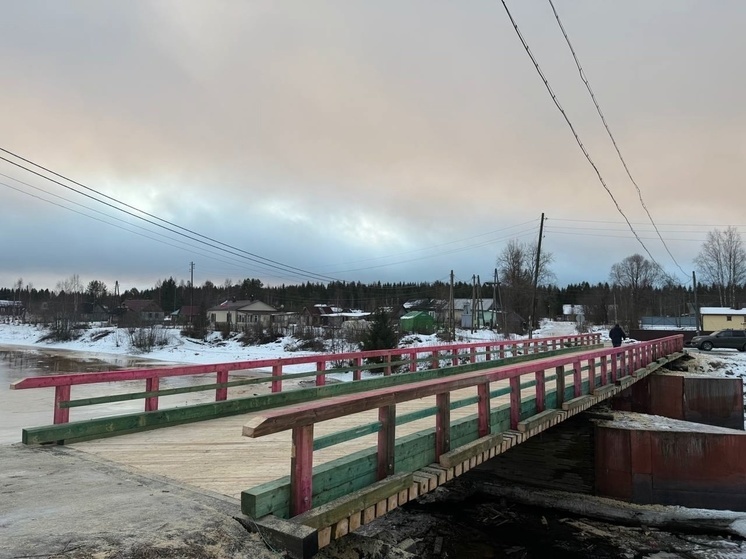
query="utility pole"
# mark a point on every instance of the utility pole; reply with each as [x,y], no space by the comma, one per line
[532,317]
[191,291]
[494,301]
[451,314]
[473,301]
[498,299]
[480,302]
[696,304]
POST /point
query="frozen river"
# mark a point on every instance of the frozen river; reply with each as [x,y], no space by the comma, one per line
[28,408]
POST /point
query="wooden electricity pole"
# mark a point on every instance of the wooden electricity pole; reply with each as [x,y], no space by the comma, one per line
[451,314]
[696,304]
[532,316]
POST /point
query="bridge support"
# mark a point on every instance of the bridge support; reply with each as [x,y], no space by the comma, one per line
[693,459]
[701,399]
[671,463]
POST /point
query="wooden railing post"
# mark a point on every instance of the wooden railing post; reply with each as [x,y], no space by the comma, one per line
[387,369]
[386,441]
[472,355]
[151,385]
[614,367]
[604,370]
[435,362]
[276,380]
[577,378]
[413,361]
[301,470]
[591,375]
[559,373]
[442,424]
[483,409]
[320,368]
[358,372]
[515,401]
[61,394]
[540,390]
[222,378]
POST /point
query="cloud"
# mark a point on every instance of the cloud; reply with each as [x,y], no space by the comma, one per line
[336,132]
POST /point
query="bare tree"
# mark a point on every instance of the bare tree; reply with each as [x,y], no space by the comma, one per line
[635,276]
[71,286]
[722,263]
[516,265]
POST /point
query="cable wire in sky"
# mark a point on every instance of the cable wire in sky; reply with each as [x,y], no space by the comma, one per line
[608,131]
[268,264]
[574,133]
[224,246]
[248,255]
[183,245]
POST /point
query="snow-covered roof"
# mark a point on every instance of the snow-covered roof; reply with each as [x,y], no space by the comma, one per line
[722,311]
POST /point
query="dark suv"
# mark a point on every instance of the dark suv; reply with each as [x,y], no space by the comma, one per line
[734,339]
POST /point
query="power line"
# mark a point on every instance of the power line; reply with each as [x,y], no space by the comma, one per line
[244,254]
[186,246]
[518,234]
[198,237]
[433,247]
[688,224]
[611,136]
[574,133]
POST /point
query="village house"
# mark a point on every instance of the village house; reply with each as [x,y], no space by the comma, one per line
[717,318]
[237,315]
[140,311]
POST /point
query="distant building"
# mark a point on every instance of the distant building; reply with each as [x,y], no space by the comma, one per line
[140,311]
[417,322]
[12,308]
[237,315]
[717,318]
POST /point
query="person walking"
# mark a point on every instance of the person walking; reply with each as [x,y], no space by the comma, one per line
[616,334]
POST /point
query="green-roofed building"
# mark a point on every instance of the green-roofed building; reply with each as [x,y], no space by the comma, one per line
[417,322]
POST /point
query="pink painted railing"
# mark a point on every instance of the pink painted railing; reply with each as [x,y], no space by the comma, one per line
[454,353]
[613,364]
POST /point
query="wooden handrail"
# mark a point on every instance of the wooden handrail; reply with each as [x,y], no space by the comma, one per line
[152,376]
[301,418]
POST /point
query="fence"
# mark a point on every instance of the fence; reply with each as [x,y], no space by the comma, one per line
[352,363]
[602,367]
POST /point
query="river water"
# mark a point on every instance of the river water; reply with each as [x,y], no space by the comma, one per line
[31,408]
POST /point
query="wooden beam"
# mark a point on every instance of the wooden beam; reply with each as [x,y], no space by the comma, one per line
[483,409]
[357,501]
[301,468]
[386,441]
[457,456]
[443,423]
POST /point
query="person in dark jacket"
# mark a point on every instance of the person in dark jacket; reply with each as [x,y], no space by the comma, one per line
[616,334]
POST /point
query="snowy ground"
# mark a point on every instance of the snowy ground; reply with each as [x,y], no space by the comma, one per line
[115,341]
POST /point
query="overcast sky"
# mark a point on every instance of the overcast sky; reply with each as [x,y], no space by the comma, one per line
[386,140]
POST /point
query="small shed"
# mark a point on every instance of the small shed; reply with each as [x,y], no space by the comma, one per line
[418,322]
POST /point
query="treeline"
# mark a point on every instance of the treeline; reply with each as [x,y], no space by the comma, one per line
[604,303]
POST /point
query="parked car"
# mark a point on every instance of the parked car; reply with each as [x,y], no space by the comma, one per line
[733,339]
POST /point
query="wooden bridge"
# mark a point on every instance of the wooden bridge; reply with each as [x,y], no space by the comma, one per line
[312,464]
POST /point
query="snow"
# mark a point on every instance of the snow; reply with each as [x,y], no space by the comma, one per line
[180,349]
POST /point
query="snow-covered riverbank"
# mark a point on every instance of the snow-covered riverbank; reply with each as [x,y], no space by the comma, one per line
[180,349]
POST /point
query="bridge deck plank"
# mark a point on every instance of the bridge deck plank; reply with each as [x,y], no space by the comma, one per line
[213,455]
